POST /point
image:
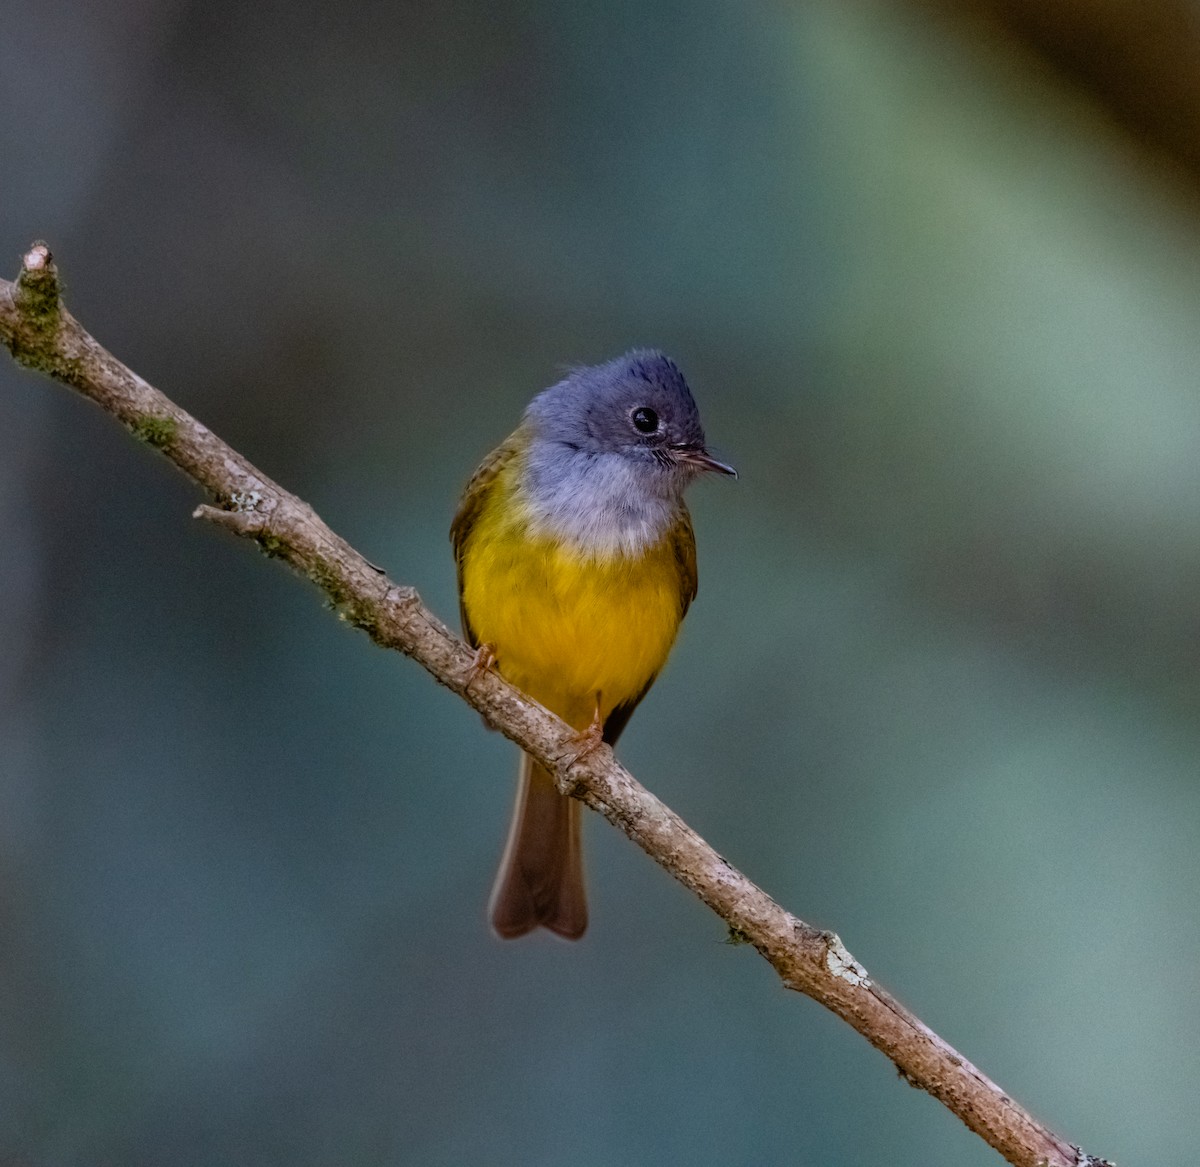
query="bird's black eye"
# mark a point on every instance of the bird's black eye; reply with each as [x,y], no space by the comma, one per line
[645,420]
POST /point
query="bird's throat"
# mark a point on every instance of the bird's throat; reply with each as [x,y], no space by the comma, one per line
[603,505]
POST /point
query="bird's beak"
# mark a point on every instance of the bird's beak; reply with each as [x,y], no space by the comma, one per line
[701,460]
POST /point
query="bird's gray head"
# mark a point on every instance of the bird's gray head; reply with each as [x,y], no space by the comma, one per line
[637,406]
[612,448]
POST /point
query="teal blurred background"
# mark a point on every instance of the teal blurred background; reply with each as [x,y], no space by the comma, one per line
[940,690]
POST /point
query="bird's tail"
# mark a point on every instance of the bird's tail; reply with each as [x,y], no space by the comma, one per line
[540,882]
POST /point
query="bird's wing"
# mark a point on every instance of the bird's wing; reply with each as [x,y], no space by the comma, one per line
[474,498]
[683,541]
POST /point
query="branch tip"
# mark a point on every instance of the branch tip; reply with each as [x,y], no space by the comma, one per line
[38,299]
[37,258]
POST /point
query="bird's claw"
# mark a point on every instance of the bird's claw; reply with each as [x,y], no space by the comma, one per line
[586,742]
[484,659]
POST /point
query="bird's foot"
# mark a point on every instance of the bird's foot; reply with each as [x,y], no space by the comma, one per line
[586,742]
[485,657]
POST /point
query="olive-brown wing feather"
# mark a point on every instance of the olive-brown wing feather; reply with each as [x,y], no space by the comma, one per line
[474,498]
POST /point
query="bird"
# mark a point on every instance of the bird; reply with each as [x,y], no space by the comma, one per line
[576,564]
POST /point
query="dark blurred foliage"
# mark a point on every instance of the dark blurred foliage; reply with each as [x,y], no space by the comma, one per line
[940,690]
[1137,61]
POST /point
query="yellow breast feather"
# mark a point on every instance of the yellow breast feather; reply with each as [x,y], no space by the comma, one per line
[567,625]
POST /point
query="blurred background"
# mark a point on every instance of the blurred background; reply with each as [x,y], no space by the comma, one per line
[933,271]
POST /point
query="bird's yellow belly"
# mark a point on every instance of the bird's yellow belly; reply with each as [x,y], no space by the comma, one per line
[568,628]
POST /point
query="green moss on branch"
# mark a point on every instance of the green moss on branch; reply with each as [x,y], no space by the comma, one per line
[155,430]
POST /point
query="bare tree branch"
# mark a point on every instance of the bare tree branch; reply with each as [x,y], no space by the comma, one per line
[42,335]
